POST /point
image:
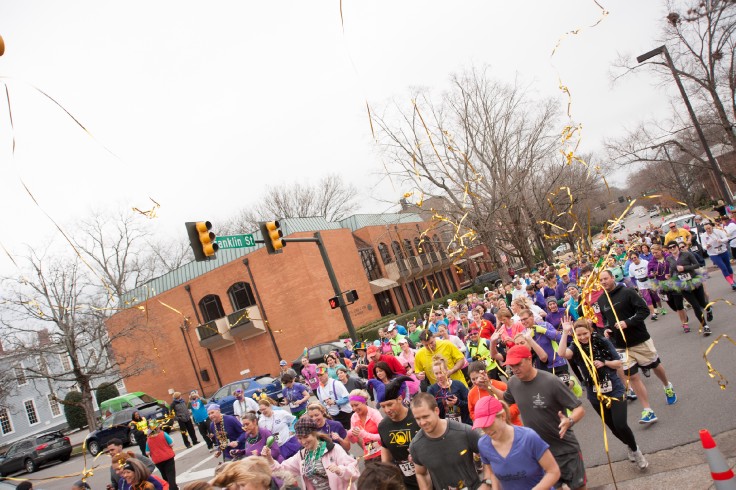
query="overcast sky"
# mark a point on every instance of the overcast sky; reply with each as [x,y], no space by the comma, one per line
[200,105]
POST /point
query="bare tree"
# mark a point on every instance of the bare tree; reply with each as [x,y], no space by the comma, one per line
[64,297]
[330,198]
[488,149]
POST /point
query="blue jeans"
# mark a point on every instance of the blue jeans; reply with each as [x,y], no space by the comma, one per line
[723,261]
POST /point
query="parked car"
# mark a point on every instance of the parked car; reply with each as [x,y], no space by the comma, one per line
[29,454]
[493,278]
[317,354]
[680,221]
[117,426]
[561,249]
[129,400]
[654,213]
[619,227]
[260,384]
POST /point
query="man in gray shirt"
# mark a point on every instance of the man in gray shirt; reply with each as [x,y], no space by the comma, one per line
[443,450]
[543,402]
[114,447]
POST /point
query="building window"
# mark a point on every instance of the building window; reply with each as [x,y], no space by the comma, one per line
[385,254]
[211,308]
[120,385]
[54,405]
[20,375]
[401,298]
[413,294]
[439,246]
[399,254]
[66,362]
[370,263]
[6,425]
[422,251]
[241,296]
[31,412]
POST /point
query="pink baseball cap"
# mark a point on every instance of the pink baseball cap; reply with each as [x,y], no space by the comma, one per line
[485,412]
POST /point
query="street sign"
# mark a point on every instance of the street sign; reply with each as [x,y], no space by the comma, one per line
[235,241]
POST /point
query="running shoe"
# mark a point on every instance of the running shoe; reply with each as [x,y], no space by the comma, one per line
[709,314]
[646,372]
[669,392]
[733,286]
[632,458]
[662,311]
[648,417]
[706,330]
[654,317]
[630,395]
[688,306]
[641,461]
[686,328]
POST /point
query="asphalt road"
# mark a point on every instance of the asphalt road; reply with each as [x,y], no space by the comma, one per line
[701,402]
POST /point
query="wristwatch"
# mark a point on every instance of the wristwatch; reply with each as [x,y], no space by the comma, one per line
[572,422]
[488,482]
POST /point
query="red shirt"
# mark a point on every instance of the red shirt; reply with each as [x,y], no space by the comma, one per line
[392,362]
[158,448]
[485,327]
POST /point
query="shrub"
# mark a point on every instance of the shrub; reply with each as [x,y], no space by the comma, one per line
[75,415]
[106,391]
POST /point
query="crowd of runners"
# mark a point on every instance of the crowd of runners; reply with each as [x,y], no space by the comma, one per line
[479,393]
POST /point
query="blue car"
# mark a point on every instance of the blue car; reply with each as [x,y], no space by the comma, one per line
[260,384]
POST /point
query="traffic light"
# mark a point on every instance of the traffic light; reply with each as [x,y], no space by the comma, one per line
[351,296]
[201,239]
[334,302]
[271,231]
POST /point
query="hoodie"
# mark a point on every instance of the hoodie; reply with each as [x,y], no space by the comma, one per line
[630,308]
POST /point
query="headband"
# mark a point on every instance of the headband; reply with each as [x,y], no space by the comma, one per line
[358,398]
[128,466]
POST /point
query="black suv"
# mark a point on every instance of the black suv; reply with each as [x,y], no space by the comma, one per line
[117,426]
[31,453]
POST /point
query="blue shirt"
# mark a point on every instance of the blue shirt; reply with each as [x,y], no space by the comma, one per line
[199,411]
[520,469]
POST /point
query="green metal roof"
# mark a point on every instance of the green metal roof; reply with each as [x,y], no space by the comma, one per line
[192,270]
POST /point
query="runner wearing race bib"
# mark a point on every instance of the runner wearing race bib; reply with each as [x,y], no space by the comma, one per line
[451,395]
[639,270]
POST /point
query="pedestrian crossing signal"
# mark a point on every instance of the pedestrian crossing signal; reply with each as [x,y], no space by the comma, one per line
[351,296]
[334,302]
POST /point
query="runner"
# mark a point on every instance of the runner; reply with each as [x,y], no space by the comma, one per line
[364,426]
[296,395]
[451,395]
[628,321]
[333,395]
[397,430]
[716,244]
[659,272]
[326,425]
[544,402]
[513,457]
[484,386]
[686,280]
[639,270]
[442,450]
[606,361]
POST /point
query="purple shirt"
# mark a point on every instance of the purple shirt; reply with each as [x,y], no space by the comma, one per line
[231,427]
[293,395]
[263,435]
[520,469]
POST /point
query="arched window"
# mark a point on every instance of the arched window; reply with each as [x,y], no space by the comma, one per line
[422,250]
[398,253]
[439,246]
[385,254]
[409,249]
[241,296]
[211,308]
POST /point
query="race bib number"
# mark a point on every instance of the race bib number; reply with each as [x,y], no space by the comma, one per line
[454,417]
[407,468]
[564,377]
[605,387]
[663,296]
[627,362]
[294,404]
[685,276]
[596,308]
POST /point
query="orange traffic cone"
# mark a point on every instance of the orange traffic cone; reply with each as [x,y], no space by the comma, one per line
[719,470]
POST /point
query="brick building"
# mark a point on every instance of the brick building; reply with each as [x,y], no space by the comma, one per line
[201,325]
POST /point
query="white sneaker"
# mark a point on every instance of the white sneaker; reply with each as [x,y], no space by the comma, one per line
[632,458]
[641,461]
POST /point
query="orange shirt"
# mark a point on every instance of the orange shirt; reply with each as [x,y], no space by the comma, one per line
[476,394]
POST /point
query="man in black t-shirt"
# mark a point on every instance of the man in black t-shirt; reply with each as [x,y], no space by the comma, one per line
[397,430]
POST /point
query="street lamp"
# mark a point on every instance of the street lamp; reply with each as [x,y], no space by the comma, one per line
[713,164]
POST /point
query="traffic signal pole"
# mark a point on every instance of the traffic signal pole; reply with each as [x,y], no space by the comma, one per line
[331,273]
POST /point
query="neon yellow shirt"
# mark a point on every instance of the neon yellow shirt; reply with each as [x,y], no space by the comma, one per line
[446,349]
[680,236]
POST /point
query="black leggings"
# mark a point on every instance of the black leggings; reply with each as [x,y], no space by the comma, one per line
[168,472]
[696,297]
[615,418]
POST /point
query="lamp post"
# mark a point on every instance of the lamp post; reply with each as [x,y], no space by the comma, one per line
[718,174]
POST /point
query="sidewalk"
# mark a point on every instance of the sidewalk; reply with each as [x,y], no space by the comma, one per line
[682,467]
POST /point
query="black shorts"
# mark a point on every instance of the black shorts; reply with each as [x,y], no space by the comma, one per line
[674,300]
[572,470]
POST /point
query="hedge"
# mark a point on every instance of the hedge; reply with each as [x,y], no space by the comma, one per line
[370,330]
